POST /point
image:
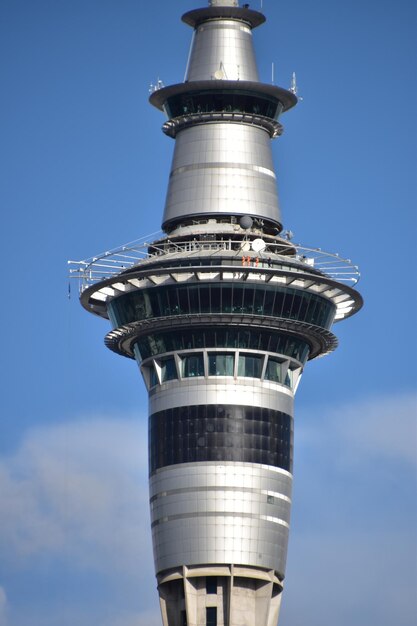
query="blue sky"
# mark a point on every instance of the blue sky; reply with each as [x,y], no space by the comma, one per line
[84,169]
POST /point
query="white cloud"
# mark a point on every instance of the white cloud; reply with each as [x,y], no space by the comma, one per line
[356,578]
[353,539]
[78,489]
[76,494]
[75,498]
[383,427]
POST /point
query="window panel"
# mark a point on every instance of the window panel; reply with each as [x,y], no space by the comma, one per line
[268,341]
[192,365]
[153,377]
[205,298]
[220,364]
[195,299]
[168,369]
[273,370]
[250,365]
[215,299]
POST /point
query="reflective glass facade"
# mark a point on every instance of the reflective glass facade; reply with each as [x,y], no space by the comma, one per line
[220,364]
[172,300]
[221,337]
[220,433]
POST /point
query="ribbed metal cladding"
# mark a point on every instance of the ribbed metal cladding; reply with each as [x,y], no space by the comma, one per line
[222,49]
[220,512]
[222,169]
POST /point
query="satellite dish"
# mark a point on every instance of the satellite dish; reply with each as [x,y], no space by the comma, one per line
[245,222]
[219,74]
[258,245]
[245,246]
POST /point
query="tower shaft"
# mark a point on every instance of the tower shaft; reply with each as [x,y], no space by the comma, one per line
[221,315]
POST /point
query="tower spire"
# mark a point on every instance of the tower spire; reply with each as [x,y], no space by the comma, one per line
[222,165]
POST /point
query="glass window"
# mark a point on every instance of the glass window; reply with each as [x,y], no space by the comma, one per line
[253,339]
[205,298]
[273,370]
[211,584]
[220,364]
[248,296]
[194,299]
[226,298]
[229,101]
[168,369]
[269,301]
[153,377]
[183,300]
[289,378]
[215,299]
[192,365]
[279,304]
[237,306]
[250,365]
[211,616]
[258,305]
[220,433]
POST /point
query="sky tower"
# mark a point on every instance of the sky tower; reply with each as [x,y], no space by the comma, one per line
[221,312]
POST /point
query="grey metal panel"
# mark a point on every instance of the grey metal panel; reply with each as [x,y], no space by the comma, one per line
[246,392]
[227,474]
[188,541]
[212,513]
[222,168]
[222,46]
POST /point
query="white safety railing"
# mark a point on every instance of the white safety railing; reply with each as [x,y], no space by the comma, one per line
[113,262]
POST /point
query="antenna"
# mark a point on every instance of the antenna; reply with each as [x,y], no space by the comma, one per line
[293,87]
[155,87]
[189,56]
[273,73]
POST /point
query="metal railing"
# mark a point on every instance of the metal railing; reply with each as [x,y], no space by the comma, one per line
[111,263]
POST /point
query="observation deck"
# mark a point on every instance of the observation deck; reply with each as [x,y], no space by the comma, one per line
[278,257]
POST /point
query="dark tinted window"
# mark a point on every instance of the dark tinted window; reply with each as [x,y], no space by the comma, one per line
[192,365]
[172,300]
[218,337]
[220,433]
[273,370]
[227,101]
[211,584]
[211,616]
[168,369]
